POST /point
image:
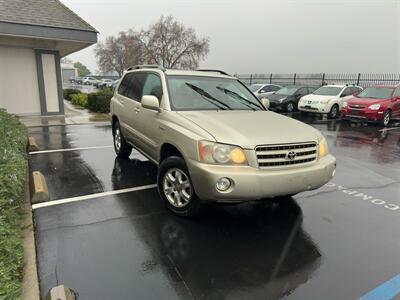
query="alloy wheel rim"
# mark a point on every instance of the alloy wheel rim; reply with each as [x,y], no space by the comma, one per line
[290,107]
[334,112]
[117,139]
[386,118]
[177,188]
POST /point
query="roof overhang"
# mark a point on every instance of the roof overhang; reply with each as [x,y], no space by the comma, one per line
[65,40]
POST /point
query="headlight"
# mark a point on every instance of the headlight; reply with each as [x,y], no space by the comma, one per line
[215,153]
[323,148]
[345,104]
[374,106]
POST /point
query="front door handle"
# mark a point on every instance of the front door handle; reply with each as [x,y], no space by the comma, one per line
[137,109]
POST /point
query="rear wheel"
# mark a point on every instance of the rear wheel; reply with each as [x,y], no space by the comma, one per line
[334,112]
[121,147]
[290,107]
[176,189]
[387,116]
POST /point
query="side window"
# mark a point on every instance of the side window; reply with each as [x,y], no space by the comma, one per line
[136,84]
[123,87]
[265,89]
[397,92]
[275,88]
[346,92]
[152,86]
[311,90]
[302,92]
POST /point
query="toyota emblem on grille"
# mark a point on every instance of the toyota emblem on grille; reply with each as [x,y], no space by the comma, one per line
[291,155]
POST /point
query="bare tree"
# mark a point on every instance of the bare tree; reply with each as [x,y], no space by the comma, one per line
[170,44]
[118,53]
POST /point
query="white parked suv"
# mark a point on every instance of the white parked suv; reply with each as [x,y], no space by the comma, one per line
[328,99]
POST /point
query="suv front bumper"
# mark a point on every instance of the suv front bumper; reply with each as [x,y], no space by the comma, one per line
[257,183]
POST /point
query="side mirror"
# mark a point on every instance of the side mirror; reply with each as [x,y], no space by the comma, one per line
[265,102]
[150,102]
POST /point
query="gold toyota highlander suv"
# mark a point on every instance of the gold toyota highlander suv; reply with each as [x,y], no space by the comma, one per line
[213,140]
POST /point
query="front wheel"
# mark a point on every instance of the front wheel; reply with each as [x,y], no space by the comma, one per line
[387,116]
[176,189]
[290,107]
[334,112]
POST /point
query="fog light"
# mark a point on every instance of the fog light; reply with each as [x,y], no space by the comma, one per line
[223,184]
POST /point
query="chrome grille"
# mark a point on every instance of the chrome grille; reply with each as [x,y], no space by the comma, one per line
[277,155]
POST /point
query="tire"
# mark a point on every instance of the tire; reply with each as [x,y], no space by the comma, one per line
[290,107]
[334,112]
[176,189]
[387,116]
[121,147]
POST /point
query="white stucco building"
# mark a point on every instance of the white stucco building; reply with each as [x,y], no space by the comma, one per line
[34,35]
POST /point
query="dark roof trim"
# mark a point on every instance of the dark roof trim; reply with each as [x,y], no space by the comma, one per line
[45,32]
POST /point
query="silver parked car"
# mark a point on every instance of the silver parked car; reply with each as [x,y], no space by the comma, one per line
[213,140]
[261,90]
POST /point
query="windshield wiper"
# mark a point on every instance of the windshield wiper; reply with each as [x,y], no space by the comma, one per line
[237,96]
[206,96]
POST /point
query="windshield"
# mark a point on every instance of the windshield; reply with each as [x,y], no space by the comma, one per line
[287,91]
[376,93]
[328,91]
[210,93]
[255,87]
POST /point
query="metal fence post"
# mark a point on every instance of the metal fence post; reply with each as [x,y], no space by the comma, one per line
[294,79]
[251,78]
[358,78]
[323,79]
[270,78]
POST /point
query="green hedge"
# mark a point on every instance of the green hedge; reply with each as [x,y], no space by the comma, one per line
[80,99]
[67,93]
[13,164]
[100,101]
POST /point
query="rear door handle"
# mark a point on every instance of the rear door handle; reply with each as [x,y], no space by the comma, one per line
[137,109]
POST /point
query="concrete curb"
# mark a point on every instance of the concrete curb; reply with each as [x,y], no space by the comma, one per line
[60,292]
[30,282]
[39,190]
[32,145]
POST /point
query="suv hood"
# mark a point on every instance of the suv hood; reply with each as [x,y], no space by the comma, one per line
[251,128]
[364,101]
[317,97]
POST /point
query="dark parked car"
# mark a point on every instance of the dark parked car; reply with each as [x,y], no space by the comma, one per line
[287,98]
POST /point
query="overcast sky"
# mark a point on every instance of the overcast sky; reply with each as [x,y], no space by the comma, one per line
[267,36]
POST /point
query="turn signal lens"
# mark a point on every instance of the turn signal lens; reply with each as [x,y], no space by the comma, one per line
[323,148]
[215,153]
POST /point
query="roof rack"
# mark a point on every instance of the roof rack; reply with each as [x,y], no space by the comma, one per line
[146,67]
[216,71]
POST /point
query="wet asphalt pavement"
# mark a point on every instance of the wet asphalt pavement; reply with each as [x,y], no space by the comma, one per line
[337,242]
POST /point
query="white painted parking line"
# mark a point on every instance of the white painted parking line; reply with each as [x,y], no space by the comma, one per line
[70,149]
[92,196]
[387,129]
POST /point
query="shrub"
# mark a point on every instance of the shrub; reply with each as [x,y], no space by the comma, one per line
[100,101]
[80,99]
[67,93]
[13,164]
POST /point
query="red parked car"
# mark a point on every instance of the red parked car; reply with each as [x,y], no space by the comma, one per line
[374,104]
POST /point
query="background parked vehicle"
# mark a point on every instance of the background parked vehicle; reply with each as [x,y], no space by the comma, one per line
[78,80]
[328,99]
[89,80]
[261,90]
[287,98]
[103,83]
[374,104]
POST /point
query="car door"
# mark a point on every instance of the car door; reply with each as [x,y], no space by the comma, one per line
[300,93]
[264,91]
[396,103]
[148,125]
[344,96]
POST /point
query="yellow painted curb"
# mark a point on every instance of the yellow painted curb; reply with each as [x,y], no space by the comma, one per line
[32,145]
[60,292]
[40,192]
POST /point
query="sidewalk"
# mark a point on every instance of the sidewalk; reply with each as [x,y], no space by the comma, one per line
[72,116]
